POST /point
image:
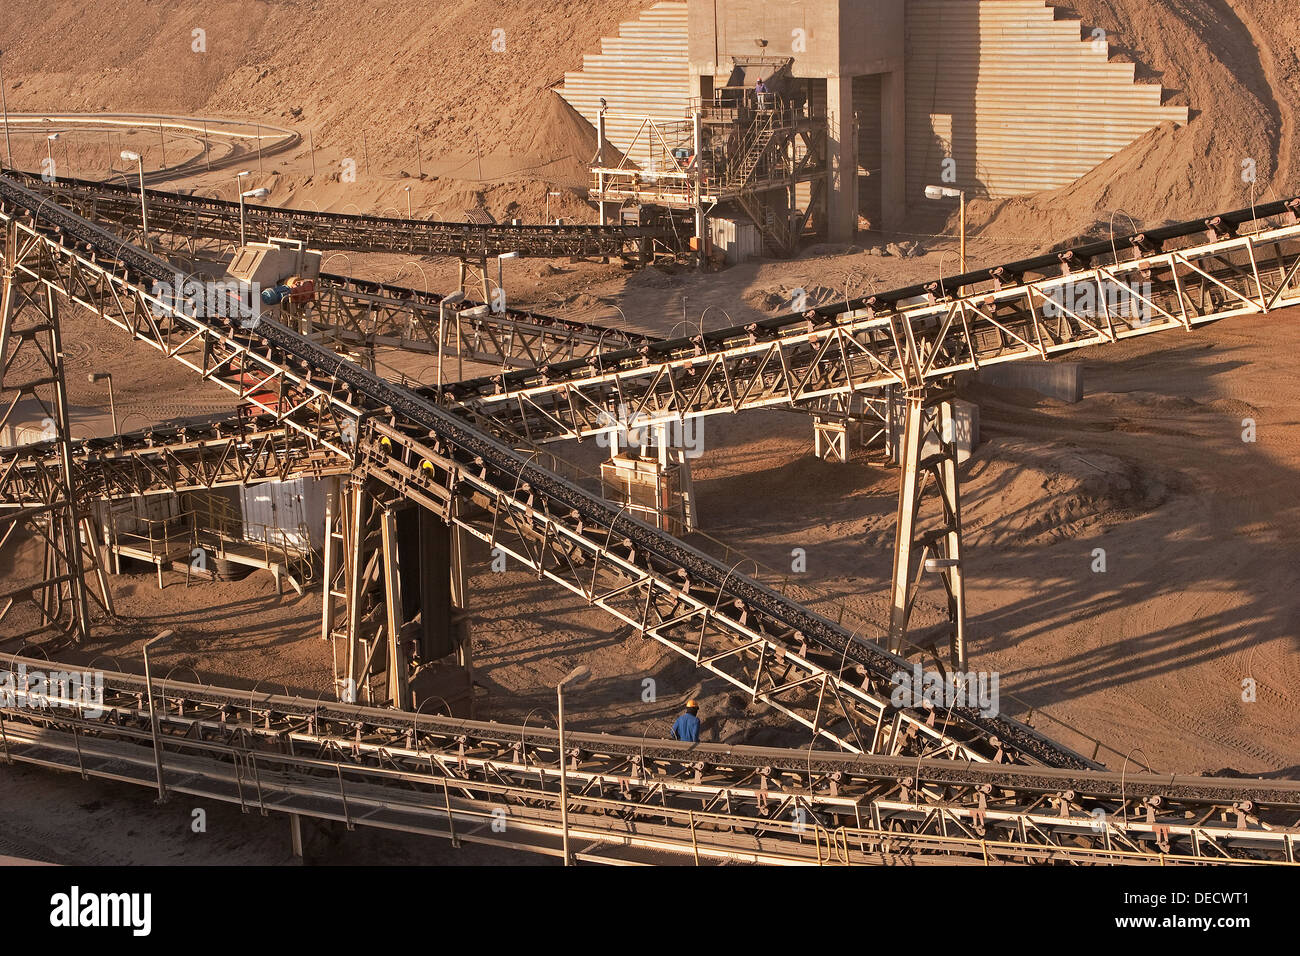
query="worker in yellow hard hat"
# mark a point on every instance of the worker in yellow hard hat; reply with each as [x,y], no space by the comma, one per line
[687,726]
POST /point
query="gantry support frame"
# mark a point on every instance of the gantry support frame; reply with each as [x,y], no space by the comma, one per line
[928,472]
[375,646]
[32,369]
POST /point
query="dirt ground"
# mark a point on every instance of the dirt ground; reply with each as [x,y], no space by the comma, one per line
[1199,528]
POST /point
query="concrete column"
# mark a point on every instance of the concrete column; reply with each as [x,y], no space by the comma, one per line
[893,149]
[843,148]
[295,836]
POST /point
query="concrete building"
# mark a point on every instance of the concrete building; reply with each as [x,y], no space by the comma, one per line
[846,55]
[993,97]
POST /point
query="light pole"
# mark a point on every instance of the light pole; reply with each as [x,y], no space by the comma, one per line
[239,189]
[49,153]
[578,675]
[948,192]
[131,157]
[153,714]
[408,202]
[455,297]
[259,193]
[96,377]
[4,104]
[504,255]
[600,158]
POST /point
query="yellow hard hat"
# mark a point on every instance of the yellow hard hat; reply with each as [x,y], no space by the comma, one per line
[692,703]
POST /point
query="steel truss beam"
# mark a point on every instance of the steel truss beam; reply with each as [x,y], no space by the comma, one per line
[834,695]
[803,665]
[195,456]
[905,339]
[627,797]
[198,217]
[370,314]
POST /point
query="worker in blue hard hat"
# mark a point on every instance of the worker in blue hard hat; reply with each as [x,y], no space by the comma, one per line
[687,726]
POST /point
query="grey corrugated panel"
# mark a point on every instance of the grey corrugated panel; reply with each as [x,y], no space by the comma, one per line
[1101,119]
[627,71]
[642,72]
[628,79]
[621,99]
[652,31]
[632,63]
[626,46]
[1047,105]
[1086,123]
[992,124]
[1084,95]
[642,92]
[657,42]
[637,61]
[632,58]
[625,68]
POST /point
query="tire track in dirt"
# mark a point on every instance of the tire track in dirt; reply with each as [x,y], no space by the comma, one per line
[1278,102]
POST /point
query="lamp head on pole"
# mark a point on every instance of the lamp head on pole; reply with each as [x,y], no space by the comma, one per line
[579,675]
[130,157]
[942,192]
[161,637]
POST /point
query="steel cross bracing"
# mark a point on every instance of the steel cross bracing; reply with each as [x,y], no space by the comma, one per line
[913,337]
[630,797]
[195,456]
[369,314]
[33,386]
[801,664]
[198,217]
[696,621]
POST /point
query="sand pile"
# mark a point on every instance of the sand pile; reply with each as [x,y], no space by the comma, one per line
[388,68]
[1234,63]
[1043,493]
[472,81]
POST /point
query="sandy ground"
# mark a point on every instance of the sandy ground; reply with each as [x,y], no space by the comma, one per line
[1199,528]
[59,819]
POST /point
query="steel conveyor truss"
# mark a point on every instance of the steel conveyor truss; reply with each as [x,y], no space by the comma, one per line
[802,665]
[1179,278]
[630,800]
[199,217]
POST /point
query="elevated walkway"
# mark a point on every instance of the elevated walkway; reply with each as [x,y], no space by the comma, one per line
[175,541]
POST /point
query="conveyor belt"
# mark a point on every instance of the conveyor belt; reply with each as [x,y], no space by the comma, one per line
[911,338]
[445,776]
[510,482]
[199,216]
